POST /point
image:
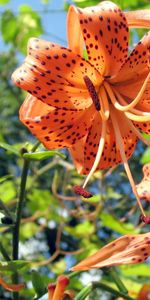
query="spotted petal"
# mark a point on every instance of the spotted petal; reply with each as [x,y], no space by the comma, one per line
[111,153]
[138,18]
[129,249]
[105,32]
[54,75]
[55,128]
[136,67]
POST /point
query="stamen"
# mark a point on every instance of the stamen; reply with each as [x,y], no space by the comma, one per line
[137,118]
[124,159]
[99,153]
[92,92]
[145,219]
[112,92]
[125,106]
[82,192]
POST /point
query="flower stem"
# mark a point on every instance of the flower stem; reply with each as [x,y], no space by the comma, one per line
[94,285]
[16,229]
[114,275]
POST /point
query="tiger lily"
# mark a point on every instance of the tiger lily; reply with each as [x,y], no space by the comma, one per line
[128,249]
[143,188]
[96,107]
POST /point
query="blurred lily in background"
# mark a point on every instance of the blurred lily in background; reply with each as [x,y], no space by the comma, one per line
[128,249]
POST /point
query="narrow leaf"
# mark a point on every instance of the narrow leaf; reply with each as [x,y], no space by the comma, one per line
[42,155]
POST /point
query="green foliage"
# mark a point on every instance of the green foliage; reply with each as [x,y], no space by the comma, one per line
[4,1]
[17,30]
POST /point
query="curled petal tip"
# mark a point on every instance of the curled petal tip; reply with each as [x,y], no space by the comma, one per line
[82,192]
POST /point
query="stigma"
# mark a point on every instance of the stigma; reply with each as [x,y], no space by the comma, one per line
[92,92]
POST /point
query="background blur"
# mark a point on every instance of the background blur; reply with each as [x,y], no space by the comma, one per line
[55,232]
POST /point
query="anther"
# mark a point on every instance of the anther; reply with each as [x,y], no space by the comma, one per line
[82,192]
[145,219]
[92,92]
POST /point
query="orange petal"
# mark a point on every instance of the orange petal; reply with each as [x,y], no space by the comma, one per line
[136,66]
[62,282]
[11,287]
[138,18]
[68,295]
[143,188]
[111,154]
[74,32]
[54,75]
[105,32]
[55,128]
[129,249]
[144,293]
[51,289]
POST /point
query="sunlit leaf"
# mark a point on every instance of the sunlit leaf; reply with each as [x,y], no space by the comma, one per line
[28,230]
[4,1]
[8,26]
[4,178]
[114,224]
[146,156]
[7,191]
[136,270]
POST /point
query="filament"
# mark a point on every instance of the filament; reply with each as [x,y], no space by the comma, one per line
[104,104]
[99,153]
[124,159]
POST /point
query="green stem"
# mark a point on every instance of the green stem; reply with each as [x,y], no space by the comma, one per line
[16,229]
[94,285]
[114,275]
[84,292]
[4,253]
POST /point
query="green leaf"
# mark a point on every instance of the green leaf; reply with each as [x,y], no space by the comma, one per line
[38,283]
[8,26]
[7,191]
[114,224]
[136,270]
[42,155]
[4,178]
[28,230]
[9,148]
[146,156]
[81,229]
[13,266]
[4,1]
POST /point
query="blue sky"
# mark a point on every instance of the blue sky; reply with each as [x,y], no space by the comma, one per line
[54,23]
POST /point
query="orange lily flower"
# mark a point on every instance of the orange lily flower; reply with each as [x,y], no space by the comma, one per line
[128,249]
[143,188]
[99,107]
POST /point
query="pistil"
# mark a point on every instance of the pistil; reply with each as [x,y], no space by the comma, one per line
[92,92]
